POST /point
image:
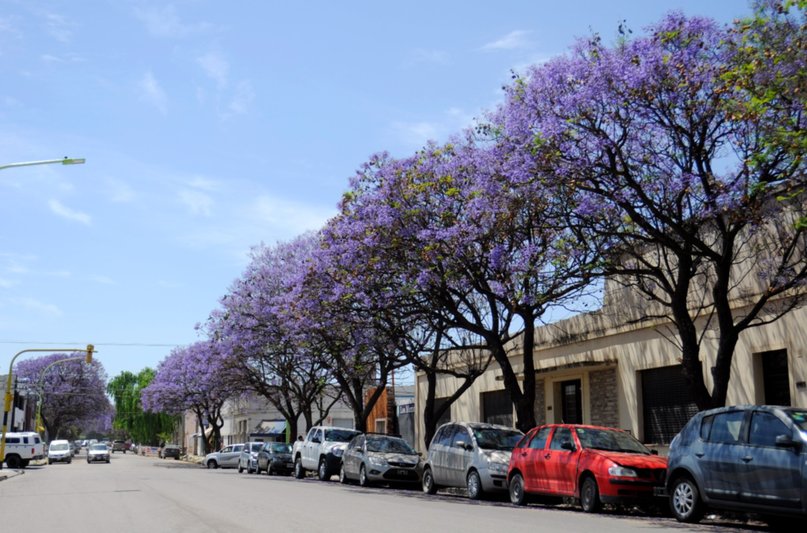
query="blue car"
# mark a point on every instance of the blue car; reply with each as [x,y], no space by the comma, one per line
[750,458]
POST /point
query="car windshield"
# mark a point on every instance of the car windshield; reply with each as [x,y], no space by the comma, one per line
[59,447]
[799,416]
[610,440]
[497,439]
[98,447]
[389,445]
[340,435]
[280,447]
[257,446]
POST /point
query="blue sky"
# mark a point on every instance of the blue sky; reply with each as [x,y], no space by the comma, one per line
[209,127]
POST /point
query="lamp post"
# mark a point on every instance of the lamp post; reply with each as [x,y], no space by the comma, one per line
[7,405]
[64,161]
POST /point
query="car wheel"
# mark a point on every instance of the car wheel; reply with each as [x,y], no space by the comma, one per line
[256,470]
[69,461]
[50,462]
[322,470]
[363,481]
[299,471]
[590,495]
[429,487]
[516,489]
[240,468]
[107,461]
[474,485]
[212,464]
[14,461]
[685,501]
[343,475]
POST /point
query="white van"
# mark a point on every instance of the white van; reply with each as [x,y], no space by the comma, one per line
[60,451]
[22,448]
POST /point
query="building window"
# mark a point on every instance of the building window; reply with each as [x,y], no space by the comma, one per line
[497,408]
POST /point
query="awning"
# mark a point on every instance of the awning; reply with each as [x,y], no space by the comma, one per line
[271,427]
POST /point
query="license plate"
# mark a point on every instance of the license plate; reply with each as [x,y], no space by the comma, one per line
[289,465]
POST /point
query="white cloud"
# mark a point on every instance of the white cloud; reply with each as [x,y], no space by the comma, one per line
[514,39]
[205,184]
[7,283]
[36,306]
[242,100]
[216,67]
[164,22]
[421,55]
[59,27]
[152,92]
[417,133]
[103,280]
[65,212]
[288,215]
[66,58]
[120,192]
[197,202]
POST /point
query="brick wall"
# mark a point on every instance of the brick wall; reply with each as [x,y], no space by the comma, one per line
[540,402]
[603,394]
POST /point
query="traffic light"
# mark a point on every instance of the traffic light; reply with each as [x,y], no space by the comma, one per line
[90,349]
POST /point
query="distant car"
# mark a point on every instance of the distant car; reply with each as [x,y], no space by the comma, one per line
[275,458]
[170,450]
[473,455]
[748,458]
[120,446]
[592,463]
[60,451]
[375,458]
[248,460]
[98,452]
[227,457]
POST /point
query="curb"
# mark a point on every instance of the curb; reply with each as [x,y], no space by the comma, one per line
[6,474]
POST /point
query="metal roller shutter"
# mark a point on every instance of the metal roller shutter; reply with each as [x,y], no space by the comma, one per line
[667,403]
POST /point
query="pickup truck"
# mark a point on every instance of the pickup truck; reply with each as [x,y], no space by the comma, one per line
[321,450]
[22,448]
[120,446]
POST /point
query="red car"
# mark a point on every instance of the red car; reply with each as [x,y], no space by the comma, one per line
[595,464]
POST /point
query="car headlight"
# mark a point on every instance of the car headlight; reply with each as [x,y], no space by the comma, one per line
[337,452]
[621,471]
[377,461]
[498,468]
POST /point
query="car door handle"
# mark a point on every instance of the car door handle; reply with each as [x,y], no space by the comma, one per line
[547,455]
[523,454]
[747,459]
[699,455]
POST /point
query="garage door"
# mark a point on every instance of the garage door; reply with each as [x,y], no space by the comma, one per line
[667,403]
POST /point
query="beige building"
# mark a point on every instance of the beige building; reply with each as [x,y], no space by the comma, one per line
[605,368]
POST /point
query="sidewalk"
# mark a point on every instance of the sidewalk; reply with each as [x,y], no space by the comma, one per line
[6,473]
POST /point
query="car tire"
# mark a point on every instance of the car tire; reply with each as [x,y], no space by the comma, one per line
[474,485]
[363,481]
[14,461]
[685,501]
[343,475]
[212,464]
[590,495]
[299,471]
[107,461]
[69,461]
[240,468]
[429,486]
[516,490]
[50,462]
[322,470]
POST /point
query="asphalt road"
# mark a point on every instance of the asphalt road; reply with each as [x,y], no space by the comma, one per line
[141,494]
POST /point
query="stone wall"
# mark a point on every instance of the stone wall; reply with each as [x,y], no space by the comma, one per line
[540,402]
[604,401]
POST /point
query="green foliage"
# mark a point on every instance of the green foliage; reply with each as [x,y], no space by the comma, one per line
[142,427]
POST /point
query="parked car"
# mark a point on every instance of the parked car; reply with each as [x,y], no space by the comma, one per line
[473,455]
[248,460]
[98,452]
[227,457]
[750,458]
[321,450]
[593,464]
[60,451]
[379,458]
[120,446]
[275,458]
[22,448]
[170,450]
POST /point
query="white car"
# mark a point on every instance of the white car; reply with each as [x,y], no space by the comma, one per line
[98,452]
[226,458]
[60,451]
[321,450]
[22,448]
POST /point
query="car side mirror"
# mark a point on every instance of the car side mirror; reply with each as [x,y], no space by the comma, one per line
[464,445]
[786,441]
[653,452]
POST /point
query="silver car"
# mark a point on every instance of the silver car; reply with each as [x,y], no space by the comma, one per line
[98,452]
[379,458]
[227,457]
[248,460]
[473,455]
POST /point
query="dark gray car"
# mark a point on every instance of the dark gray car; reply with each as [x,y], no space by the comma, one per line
[275,458]
[749,458]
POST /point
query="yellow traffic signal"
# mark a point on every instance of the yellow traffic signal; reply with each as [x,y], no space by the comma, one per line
[90,349]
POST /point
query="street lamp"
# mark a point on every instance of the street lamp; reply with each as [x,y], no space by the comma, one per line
[7,405]
[65,161]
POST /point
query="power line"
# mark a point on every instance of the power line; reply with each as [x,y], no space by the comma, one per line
[131,344]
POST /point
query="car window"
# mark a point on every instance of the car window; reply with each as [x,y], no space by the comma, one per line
[13,440]
[227,449]
[560,436]
[461,435]
[340,435]
[538,441]
[726,427]
[238,447]
[388,445]
[765,427]
[311,433]
[706,426]
[496,438]
[281,447]
[610,440]
[445,435]
[799,417]
[256,446]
